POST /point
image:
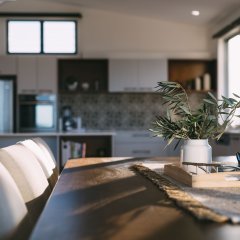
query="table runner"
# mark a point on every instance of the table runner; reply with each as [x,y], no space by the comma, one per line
[213,204]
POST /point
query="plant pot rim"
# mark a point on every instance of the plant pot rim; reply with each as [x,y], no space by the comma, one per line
[196,141]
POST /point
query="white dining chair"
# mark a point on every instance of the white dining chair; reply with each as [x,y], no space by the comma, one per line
[28,176]
[13,212]
[49,154]
[40,155]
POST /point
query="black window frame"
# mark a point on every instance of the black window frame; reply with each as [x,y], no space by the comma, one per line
[41,36]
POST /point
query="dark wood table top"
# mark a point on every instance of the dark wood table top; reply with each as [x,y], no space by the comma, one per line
[100,198]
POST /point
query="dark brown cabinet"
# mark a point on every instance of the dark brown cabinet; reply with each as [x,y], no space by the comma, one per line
[82,75]
[186,71]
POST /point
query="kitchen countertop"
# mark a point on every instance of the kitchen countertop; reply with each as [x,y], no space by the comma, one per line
[233,131]
[55,134]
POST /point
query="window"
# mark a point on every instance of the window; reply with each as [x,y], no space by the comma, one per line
[233,70]
[41,37]
[233,57]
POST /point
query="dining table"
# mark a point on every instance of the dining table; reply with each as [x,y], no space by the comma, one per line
[103,198]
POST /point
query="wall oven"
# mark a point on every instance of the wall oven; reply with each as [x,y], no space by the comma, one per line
[37,113]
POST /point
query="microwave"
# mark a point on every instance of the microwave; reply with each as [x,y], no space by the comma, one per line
[37,113]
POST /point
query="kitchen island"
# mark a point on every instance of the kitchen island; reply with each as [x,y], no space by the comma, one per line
[55,139]
[101,198]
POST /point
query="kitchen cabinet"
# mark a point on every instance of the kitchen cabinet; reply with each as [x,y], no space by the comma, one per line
[47,75]
[136,75]
[8,65]
[27,75]
[186,72]
[138,144]
[37,75]
[123,75]
[150,73]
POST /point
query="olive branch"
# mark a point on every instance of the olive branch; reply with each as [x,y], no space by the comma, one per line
[210,120]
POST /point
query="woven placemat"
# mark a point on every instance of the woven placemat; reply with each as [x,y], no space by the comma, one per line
[180,197]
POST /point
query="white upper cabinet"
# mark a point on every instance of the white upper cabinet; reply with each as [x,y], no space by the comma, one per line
[131,75]
[8,65]
[47,75]
[37,75]
[151,72]
[123,75]
[27,75]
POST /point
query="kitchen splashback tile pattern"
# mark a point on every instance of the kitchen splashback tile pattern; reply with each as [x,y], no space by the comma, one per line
[118,111]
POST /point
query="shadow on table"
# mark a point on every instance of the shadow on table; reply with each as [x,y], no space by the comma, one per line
[102,203]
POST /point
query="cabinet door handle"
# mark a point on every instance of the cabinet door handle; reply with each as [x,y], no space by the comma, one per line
[141,151]
[140,135]
[45,90]
[28,91]
[130,89]
[147,89]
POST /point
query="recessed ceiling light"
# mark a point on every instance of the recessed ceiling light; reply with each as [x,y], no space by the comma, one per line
[195,13]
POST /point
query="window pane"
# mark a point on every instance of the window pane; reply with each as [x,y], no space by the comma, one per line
[59,37]
[24,37]
[234,70]
[233,64]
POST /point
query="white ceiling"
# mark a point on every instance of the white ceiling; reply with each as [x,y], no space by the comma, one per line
[211,11]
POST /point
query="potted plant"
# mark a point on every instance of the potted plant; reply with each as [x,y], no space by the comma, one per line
[195,127]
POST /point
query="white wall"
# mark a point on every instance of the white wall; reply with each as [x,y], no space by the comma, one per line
[116,35]
[108,34]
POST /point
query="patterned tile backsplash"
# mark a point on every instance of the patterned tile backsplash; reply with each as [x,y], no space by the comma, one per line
[118,111]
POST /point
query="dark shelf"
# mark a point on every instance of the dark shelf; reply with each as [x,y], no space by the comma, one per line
[185,71]
[91,75]
[96,146]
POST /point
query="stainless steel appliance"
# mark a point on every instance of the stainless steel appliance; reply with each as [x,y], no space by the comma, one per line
[7,104]
[68,121]
[37,113]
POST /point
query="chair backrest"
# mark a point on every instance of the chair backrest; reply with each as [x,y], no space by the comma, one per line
[48,152]
[42,159]
[44,146]
[12,207]
[28,176]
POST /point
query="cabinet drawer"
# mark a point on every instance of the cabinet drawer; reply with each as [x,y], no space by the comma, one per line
[136,136]
[139,150]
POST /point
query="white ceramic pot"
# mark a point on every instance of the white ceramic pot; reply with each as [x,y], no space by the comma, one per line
[197,151]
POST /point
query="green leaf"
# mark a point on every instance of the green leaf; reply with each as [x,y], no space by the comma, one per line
[208,101]
[227,100]
[212,96]
[185,110]
[236,95]
[223,113]
[212,117]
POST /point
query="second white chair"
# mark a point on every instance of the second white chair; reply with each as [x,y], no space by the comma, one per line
[46,165]
[48,153]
